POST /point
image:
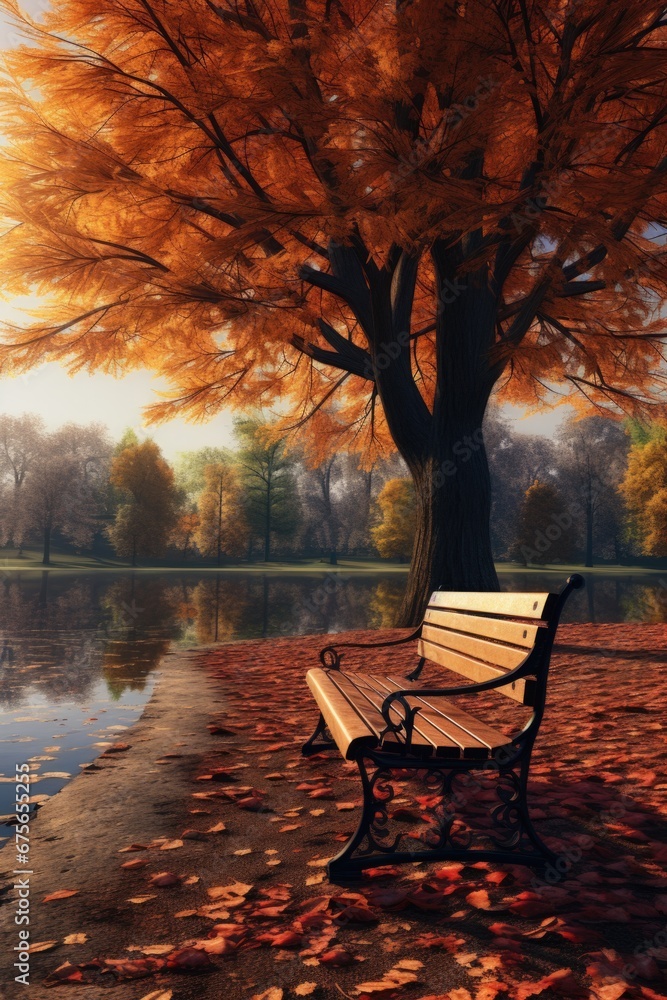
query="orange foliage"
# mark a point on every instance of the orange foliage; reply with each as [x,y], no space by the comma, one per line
[258,201]
[394,535]
[645,492]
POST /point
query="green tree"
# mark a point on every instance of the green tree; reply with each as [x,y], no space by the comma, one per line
[546,532]
[148,511]
[394,535]
[190,470]
[267,476]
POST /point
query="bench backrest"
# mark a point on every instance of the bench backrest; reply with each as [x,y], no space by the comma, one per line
[484,635]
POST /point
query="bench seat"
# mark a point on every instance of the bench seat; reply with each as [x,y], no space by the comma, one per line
[352,703]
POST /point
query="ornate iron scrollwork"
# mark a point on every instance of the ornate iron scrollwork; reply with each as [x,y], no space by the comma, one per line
[508,816]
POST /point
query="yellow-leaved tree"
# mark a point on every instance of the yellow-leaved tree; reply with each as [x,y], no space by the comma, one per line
[394,534]
[644,490]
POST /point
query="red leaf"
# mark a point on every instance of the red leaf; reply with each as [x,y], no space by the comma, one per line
[450,872]
[189,960]
[337,956]
[66,973]
[137,968]
[356,915]
[251,803]
[288,939]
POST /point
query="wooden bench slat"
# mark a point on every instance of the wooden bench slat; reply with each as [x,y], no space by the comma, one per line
[425,739]
[486,650]
[345,724]
[455,727]
[481,732]
[537,606]
[517,633]
[521,690]
[442,742]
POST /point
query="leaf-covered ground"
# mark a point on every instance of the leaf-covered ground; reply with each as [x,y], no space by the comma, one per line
[237,903]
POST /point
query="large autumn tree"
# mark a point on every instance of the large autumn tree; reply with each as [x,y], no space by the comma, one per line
[370,213]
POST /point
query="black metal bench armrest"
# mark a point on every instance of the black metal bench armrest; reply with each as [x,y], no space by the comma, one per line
[330,657]
[401,696]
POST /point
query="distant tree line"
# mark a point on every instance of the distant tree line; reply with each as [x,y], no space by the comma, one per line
[76,488]
[596,491]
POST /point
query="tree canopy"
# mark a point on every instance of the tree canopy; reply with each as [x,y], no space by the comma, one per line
[219,195]
[369,214]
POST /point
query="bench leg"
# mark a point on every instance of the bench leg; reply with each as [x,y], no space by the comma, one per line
[369,839]
[373,844]
[515,801]
[320,740]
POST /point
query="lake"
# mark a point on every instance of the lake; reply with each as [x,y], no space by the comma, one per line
[79,652]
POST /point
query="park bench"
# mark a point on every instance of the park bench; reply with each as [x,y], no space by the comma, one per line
[399,727]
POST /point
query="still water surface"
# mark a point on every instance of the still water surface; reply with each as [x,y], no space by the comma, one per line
[78,652]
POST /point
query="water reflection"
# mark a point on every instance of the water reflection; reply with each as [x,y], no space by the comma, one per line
[62,634]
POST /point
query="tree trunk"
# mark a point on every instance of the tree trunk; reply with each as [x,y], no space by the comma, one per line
[333,557]
[589,532]
[46,557]
[452,549]
[134,552]
[442,445]
[267,524]
[443,449]
[219,538]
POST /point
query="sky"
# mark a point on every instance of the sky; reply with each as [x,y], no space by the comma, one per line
[118,402]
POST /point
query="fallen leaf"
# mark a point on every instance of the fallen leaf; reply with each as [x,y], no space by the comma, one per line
[66,973]
[141,899]
[305,989]
[189,960]
[42,946]
[159,995]
[60,894]
[171,845]
[134,968]
[164,880]
[337,956]
[75,939]
[560,981]
[392,980]
[232,892]
[479,899]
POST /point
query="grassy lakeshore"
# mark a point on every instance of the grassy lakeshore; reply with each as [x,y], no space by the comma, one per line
[63,562]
